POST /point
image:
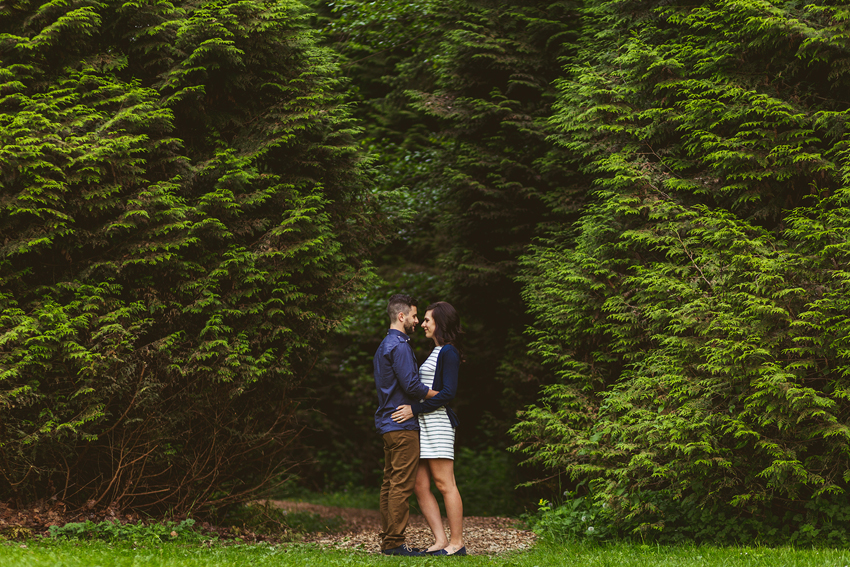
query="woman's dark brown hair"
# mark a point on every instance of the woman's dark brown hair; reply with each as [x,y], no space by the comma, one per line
[447,329]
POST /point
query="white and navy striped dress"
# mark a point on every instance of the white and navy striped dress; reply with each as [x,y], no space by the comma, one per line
[436,434]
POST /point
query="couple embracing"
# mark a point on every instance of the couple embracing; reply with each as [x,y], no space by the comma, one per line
[417,426]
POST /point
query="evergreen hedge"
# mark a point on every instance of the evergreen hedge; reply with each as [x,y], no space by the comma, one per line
[455,98]
[696,317]
[181,223]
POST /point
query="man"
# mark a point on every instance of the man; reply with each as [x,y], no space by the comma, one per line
[397,382]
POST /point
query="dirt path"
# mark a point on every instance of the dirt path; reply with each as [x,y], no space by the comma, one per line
[482,535]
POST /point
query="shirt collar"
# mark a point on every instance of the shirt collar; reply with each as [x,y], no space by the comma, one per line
[398,333]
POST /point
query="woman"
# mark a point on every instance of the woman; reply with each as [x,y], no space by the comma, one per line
[437,424]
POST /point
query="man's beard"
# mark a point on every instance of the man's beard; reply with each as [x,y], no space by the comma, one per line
[408,329]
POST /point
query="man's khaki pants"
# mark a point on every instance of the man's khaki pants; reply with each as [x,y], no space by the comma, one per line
[401,459]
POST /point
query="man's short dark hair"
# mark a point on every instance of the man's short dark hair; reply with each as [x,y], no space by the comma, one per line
[399,303]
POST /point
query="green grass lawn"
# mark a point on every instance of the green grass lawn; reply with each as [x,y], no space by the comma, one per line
[40,553]
[363,498]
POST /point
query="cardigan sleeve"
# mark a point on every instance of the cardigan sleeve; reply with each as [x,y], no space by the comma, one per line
[449,366]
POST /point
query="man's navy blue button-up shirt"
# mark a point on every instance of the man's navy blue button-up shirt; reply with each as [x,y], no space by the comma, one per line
[397,382]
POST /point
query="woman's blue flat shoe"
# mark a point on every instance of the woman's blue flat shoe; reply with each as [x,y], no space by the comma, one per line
[461,551]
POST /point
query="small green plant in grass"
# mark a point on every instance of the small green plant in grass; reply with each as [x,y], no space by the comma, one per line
[19,533]
[116,531]
[576,519]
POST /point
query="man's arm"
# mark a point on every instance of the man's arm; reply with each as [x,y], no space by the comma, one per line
[403,413]
[404,366]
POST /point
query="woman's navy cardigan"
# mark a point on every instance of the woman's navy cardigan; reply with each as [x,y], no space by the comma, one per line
[445,380]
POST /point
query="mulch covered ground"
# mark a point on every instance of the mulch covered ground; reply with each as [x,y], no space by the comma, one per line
[482,535]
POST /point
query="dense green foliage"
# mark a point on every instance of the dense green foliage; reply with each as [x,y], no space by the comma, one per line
[503,180]
[696,317]
[181,223]
[454,97]
[658,191]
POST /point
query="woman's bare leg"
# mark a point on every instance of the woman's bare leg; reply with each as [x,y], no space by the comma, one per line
[428,505]
[443,472]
